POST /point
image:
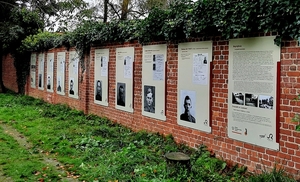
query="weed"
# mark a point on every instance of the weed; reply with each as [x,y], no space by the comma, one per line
[275,175]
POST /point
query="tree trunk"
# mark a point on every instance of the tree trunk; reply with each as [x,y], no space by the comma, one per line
[2,88]
[105,10]
[22,65]
[125,5]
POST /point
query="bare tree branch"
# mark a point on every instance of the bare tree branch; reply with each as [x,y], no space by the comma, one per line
[113,7]
[7,3]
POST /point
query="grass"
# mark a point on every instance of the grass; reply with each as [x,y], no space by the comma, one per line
[96,149]
[20,164]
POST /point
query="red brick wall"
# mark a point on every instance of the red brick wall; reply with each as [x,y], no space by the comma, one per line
[9,75]
[254,157]
[53,97]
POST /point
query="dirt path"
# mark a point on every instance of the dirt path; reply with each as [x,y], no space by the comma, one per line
[4,178]
[21,139]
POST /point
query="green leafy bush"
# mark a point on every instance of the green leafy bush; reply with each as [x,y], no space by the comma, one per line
[183,19]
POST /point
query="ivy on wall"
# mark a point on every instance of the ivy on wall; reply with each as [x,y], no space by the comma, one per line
[183,19]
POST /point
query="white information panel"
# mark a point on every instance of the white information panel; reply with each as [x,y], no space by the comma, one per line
[252,90]
[101,76]
[124,78]
[153,81]
[33,70]
[193,108]
[41,71]
[60,73]
[50,68]
[73,75]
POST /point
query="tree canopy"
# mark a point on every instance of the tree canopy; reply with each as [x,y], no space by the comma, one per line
[22,18]
[185,19]
[108,10]
[16,23]
[164,21]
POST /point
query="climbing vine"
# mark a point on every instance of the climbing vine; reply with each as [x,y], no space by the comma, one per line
[183,19]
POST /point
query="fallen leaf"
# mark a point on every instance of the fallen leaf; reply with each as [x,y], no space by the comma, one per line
[45,168]
[37,173]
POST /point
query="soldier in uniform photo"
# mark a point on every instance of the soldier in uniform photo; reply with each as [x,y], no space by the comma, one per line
[121,94]
[59,87]
[187,116]
[149,106]
[98,91]
[40,80]
[71,87]
[48,83]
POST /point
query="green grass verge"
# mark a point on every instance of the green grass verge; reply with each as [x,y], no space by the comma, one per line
[20,165]
[96,149]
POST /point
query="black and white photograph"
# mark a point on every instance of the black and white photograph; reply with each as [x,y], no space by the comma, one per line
[154,63]
[98,90]
[48,82]
[71,91]
[149,95]
[238,98]
[32,74]
[187,99]
[205,60]
[33,68]
[265,101]
[251,100]
[121,94]
[40,80]
[51,65]
[58,84]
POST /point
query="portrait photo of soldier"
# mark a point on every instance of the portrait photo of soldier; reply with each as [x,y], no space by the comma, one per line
[149,103]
